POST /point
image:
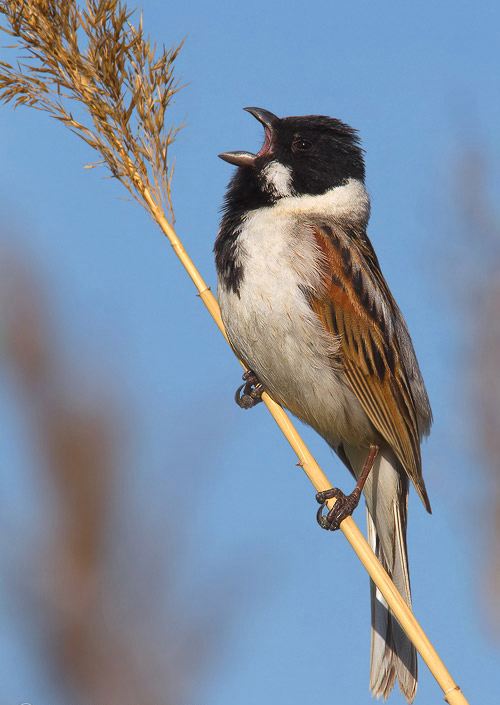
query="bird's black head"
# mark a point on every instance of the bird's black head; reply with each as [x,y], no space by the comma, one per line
[309,154]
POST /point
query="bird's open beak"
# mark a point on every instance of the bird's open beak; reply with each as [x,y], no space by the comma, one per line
[247,158]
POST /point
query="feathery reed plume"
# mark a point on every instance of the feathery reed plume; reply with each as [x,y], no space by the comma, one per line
[96,57]
[59,56]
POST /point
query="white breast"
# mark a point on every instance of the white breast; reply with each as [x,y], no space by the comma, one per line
[273,329]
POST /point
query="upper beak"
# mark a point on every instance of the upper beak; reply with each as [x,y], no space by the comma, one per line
[247,158]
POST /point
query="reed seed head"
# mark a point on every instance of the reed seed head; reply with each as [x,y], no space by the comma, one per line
[88,66]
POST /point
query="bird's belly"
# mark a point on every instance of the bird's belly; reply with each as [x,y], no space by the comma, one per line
[275,332]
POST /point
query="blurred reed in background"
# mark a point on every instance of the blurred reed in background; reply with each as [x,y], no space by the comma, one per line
[111,632]
[476,279]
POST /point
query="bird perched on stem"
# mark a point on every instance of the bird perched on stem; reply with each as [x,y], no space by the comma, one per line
[308,310]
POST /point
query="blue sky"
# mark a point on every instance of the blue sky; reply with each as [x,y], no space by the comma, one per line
[420,82]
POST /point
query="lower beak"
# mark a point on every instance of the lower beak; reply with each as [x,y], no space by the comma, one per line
[247,158]
[239,158]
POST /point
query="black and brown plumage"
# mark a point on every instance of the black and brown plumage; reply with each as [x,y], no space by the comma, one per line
[307,308]
[376,350]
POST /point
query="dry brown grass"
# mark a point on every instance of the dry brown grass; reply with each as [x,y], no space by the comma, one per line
[94,60]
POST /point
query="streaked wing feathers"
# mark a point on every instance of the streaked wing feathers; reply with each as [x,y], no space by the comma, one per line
[357,306]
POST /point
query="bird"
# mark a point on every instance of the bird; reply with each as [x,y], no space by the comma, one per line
[307,309]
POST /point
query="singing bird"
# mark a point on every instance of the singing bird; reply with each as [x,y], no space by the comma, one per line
[306,307]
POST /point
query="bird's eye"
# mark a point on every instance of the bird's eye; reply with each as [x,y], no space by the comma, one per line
[301,145]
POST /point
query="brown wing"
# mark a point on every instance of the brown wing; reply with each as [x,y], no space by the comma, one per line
[356,305]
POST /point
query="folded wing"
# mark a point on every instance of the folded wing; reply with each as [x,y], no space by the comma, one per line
[356,305]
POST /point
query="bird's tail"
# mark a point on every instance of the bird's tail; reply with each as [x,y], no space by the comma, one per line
[392,653]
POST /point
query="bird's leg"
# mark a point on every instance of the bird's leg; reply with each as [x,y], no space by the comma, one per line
[250,392]
[344,504]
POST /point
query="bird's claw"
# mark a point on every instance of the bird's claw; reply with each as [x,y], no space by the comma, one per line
[249,394]
[343,507]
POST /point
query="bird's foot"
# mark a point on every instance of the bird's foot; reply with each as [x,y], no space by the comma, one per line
[343,507]
[249,394]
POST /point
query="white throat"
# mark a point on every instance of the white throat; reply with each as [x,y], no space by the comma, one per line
[349,201]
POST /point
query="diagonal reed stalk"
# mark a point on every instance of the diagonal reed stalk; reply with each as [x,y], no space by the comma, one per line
[92,57]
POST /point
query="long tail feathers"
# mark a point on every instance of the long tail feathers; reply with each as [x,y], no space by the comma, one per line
[393,656]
